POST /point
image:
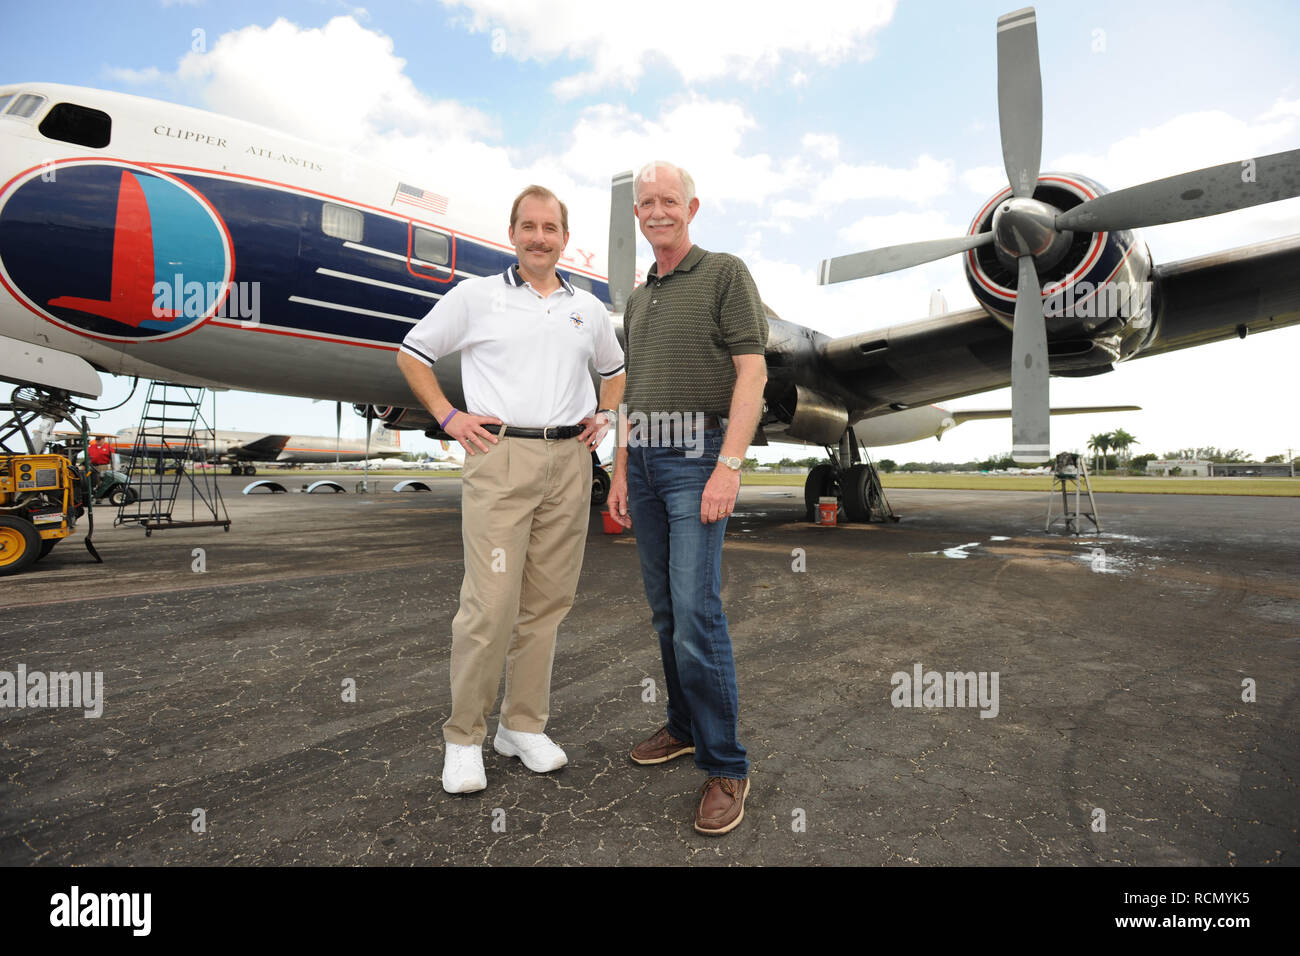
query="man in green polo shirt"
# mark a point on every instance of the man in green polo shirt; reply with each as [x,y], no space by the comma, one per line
[696,336]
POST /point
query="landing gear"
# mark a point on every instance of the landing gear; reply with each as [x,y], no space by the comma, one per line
[853,482]
[861,498]
[822,482]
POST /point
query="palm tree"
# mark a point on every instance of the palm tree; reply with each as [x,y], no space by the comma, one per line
[1105,441]
[1121,441]
[1094,446]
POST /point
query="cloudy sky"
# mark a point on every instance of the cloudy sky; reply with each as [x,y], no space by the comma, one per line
[812,129]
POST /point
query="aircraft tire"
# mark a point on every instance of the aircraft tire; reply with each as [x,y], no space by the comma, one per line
[250,470]
[20,544]
[820,483]
[858,493]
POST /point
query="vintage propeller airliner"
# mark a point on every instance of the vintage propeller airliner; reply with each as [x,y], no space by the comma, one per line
[147,239]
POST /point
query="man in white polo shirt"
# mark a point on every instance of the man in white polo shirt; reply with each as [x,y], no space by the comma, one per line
[529,424]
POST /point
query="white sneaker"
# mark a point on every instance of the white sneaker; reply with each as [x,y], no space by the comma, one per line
[462,769]
[537,751]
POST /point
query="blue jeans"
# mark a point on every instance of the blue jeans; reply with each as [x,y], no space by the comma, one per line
[681,564]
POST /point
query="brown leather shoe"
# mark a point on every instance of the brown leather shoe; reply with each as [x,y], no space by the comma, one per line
[660,748]
[722,805]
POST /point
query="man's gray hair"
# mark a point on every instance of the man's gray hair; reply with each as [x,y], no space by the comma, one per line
[647,173]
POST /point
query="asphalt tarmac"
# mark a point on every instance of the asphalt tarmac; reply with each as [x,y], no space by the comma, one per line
[1145,708]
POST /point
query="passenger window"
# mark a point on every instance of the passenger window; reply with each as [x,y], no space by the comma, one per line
[341,222]
[25,105]
[431,246]
[71,123]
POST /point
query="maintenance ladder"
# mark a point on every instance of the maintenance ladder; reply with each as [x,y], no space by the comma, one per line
[1071,471]
[167,445]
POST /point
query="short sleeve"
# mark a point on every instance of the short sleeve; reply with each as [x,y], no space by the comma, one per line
[741,316]
[608,353]
[443,330]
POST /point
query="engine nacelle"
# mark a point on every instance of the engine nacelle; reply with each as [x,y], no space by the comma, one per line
[817,418]
[1097,297]
[399,418]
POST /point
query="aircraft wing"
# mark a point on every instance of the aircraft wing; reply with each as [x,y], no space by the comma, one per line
[982,414]
[944,357]
[1214,297]
[263,449]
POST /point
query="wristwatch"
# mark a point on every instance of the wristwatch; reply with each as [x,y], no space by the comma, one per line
[732,463]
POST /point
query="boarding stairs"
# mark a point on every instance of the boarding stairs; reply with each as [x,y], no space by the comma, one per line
[171,447]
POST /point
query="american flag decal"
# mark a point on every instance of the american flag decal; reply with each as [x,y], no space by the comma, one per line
[419,197]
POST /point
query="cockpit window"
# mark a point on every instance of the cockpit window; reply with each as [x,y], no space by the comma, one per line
[4,101]
[25,105]
[78,124]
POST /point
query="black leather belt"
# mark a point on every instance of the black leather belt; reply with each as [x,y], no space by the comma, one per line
[550,433]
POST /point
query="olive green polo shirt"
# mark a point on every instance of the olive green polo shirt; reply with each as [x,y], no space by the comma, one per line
[682,330]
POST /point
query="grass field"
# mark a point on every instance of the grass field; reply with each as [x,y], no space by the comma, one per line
[1280,487]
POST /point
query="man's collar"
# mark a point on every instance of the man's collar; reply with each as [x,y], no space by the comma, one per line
[513,278]
[689,261]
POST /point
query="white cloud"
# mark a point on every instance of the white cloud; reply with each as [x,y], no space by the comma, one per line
[703,136]
[928,179]
[699,41]
[124,74]
[984,180]
[339,85]
[873,232]
[822,145]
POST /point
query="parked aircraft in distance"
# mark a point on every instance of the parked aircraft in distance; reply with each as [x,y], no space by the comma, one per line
[239,449]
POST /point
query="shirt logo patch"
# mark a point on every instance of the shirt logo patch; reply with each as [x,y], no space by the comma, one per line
[575,319]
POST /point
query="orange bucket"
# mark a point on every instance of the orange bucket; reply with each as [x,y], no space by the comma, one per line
[827,509]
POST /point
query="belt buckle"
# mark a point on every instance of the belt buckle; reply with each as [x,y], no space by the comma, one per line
[546,433]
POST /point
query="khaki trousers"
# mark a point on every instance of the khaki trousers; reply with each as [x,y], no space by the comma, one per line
[525,504]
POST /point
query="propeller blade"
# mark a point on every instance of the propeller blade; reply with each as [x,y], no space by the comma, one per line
[874,262]
[1030,407]
[1194,195]
[1020,99]
[622,240]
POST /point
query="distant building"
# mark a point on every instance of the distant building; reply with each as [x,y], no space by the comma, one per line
[1196,467]
[1251,469]
[1186,467]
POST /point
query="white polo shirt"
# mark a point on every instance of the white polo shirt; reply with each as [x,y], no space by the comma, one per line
[524,356]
